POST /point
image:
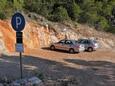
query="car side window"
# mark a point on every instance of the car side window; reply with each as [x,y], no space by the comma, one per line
[88,42]
[85,41]
[62,42]
[68,42]
[81,41]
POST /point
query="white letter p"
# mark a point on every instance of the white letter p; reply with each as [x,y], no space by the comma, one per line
[18,21]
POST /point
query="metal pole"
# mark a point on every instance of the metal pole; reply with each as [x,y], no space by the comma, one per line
[21,71]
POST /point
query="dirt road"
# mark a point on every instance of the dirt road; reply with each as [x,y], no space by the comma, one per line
[101,55]
[88,69]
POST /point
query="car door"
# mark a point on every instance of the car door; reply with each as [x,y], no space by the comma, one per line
[60,44]
[85,42]
[88,44]
[68,44]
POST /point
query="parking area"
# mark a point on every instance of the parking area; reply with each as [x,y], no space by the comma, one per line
[88,68]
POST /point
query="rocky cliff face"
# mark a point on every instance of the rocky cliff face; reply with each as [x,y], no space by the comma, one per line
[37,35]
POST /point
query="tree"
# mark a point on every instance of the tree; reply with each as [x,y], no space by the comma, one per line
[103,23]
[107,9]
[60,14]
[18,4]
[44,11]
[75,11]
[3,4]
[87,4]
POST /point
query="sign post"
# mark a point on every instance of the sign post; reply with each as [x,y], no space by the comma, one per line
[18,24]
[21,71]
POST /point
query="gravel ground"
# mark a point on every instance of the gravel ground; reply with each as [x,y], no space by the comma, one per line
[62,69]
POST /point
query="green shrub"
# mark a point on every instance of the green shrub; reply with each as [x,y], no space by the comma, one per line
[2,16]
[104,23]
[76,11]
[60,14]
[82,11]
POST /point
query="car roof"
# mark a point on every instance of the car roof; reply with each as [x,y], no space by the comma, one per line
[67,40]
[87,39]
[73,41]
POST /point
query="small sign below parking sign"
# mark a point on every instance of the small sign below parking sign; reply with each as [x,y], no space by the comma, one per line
[19,48]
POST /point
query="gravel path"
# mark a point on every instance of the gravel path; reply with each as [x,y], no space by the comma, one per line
[88,69]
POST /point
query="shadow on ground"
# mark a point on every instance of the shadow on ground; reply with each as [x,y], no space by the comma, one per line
[57,50]
[98,73]
[94,73]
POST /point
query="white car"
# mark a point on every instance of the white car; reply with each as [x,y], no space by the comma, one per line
[71,46]
[90,45]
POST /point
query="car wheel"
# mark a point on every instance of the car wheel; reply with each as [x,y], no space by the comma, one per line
[52,47]
[90,49]
[71,50]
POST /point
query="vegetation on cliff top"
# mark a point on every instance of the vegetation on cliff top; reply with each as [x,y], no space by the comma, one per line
[97,13]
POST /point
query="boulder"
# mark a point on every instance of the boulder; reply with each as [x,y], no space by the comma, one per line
[33,81]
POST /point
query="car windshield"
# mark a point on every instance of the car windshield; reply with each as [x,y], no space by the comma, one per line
[94,41]
[80,41]
[76,42]
[62,41]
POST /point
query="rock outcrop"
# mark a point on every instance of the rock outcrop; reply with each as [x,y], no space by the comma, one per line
[37,35]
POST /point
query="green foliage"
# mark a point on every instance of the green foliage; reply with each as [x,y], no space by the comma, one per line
[107,9]
[81,11]
[44,10]
[75,11]
[7,7]
[3,4]
[111,29]
[60,14]
[18,4]
[33,5]
[104,23]
[2,16]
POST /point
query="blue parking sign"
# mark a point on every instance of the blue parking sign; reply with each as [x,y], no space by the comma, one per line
[18,22]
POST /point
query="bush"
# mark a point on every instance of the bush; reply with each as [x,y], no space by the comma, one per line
[82,11]
[2,16]
[75,12]
[104,23]
[60,14]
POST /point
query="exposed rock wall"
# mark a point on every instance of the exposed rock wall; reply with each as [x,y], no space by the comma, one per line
[37,35]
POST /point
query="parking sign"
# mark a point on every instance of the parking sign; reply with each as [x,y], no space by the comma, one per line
[18,22]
